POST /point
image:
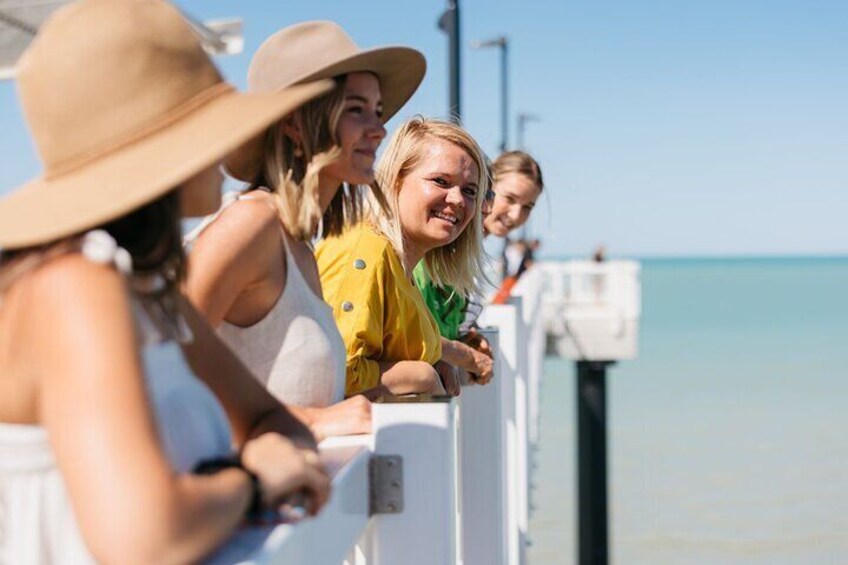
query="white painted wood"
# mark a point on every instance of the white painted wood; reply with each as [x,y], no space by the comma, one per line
[321,540]
[424,435]
[507,319]
[531,288]
[482,461]
[592,309]
[466,466]
[522,452]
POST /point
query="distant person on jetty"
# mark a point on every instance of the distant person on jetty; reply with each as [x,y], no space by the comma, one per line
[599,279]
[110,449]
[253,270]
[525,261]
[433,175]
[517,184]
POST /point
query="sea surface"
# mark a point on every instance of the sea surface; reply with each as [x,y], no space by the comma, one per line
[728,436]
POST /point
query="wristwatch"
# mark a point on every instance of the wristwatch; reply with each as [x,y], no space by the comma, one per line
[212,466]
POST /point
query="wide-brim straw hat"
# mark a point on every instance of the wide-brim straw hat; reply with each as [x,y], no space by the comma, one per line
[124,105]
[320,50]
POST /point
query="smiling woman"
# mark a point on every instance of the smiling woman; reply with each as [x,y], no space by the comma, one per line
[255,276]
[517,184]
[433,175]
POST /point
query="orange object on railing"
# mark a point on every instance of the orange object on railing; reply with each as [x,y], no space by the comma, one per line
[505,291]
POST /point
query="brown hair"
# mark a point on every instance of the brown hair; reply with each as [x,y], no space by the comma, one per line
[517,162]
[151,234]
[291,169]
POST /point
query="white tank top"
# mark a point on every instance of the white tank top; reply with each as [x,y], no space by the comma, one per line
[296,350]
[37,523]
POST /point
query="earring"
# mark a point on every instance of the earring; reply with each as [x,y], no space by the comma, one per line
[453,247]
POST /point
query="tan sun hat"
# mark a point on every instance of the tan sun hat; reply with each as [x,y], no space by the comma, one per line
[319,50]
[123,105]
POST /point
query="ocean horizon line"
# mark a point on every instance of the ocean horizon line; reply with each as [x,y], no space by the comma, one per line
[705,257]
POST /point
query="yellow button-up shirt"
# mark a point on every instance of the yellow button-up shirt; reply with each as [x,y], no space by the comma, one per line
[380,313]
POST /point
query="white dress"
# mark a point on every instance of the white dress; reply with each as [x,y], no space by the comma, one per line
[296,350]
[37,523]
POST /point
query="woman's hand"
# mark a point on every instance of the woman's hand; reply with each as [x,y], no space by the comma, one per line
[482,366]
[348,417]
[284,470]
[475,356]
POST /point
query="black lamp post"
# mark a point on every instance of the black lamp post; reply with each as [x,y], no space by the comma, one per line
[503,44]
[449,23]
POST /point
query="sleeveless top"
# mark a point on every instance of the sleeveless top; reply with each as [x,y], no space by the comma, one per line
[37,522]
[296,350]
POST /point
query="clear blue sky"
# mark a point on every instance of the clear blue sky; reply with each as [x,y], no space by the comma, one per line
[667,128]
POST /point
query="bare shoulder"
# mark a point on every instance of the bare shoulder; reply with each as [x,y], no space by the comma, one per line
[73,292]
[245,222]
[75,273]
[241,244]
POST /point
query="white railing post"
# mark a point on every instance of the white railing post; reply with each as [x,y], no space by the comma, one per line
[465,476]
[482,462]
[507,319]
[423,434]
[522,429]
[532,287]
[327,538]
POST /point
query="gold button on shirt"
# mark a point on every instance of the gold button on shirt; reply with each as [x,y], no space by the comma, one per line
[380,313]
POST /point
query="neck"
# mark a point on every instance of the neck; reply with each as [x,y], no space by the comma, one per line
[327,189]
[412,255]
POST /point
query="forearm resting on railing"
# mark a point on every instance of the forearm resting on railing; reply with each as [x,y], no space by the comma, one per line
[351,416]
[406,377]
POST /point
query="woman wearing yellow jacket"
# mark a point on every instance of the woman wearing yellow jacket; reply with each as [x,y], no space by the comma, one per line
[433,174]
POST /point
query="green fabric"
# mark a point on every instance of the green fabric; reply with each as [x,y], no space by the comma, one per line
[446,305]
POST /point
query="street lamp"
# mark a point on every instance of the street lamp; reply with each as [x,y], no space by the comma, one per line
[449,23]
[503,44]
[523,120]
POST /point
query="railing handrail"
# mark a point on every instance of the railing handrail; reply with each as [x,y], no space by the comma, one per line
[465,488]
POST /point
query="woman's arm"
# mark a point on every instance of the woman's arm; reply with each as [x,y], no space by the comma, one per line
[93,403]
[407,377]
[475,362]
[235,257]
[229,258]
[351,416]
[251,409]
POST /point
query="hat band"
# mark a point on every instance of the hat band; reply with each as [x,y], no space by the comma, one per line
[112,146]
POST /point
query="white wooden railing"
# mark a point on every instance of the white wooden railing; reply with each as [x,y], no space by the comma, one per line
[455,487]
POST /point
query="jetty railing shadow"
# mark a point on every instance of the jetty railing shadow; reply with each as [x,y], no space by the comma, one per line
[440,480]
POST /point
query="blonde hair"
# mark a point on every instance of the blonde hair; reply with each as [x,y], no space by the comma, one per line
[460,263]
[290,169]
[520,163]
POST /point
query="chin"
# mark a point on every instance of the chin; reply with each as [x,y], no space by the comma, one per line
[497,230]
[362,178]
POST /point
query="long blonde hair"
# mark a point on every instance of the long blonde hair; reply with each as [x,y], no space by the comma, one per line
[460,263]
[290,169]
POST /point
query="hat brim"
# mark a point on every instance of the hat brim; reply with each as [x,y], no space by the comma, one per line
[47,209]
[400,71]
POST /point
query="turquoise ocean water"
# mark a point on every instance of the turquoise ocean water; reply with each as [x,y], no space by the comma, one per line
[729,433]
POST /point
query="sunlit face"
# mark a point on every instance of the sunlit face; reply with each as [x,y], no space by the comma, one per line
[360,131]
[200,195]
[515,197]
[437,198]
